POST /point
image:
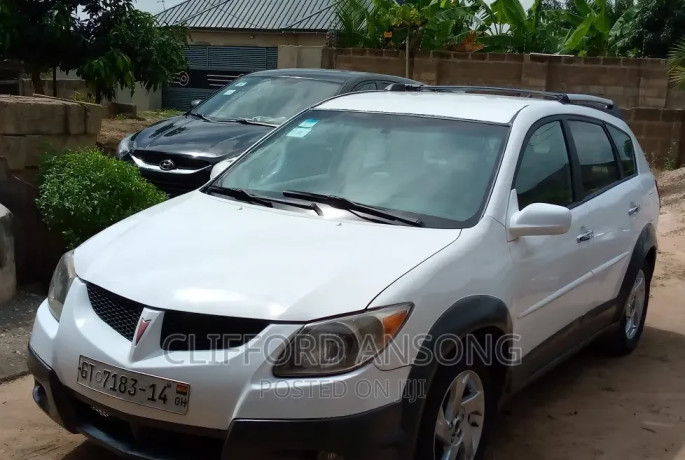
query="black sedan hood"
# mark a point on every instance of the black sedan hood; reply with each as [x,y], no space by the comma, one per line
[187,135]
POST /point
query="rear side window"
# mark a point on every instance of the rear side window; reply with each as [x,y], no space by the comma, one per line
[544,174]
[626,151]
[598,167]
[366,86]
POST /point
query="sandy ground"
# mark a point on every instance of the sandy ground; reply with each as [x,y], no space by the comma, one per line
[592,407]
[114,130]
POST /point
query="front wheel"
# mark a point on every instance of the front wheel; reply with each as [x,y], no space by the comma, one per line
[457,415]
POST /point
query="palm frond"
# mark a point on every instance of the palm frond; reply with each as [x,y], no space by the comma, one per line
[676,64]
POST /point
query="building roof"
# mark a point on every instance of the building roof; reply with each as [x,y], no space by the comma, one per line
[477,107]
[275,15]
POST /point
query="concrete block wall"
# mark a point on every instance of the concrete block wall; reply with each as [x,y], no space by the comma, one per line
[661,133]
[640,86]
[29,127]
[66,87]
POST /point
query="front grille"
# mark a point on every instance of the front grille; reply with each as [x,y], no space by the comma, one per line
[117,312]
[181,331]
[178,184]
[191,331]
[183,162]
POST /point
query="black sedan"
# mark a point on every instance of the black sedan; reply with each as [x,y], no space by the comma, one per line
[177,154]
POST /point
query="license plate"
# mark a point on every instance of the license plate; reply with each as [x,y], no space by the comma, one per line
[145,390]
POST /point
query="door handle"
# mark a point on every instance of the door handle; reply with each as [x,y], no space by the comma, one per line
[585,236]
[633,210]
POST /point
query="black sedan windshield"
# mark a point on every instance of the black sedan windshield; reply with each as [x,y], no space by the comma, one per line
[266,99]
[437,170]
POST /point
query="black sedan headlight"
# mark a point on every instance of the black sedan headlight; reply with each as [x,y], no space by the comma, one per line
[125,146]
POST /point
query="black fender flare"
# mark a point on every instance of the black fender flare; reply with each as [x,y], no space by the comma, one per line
[462,318]
[645,243]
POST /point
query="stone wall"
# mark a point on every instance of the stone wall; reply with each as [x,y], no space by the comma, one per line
[632,83]
[30,126]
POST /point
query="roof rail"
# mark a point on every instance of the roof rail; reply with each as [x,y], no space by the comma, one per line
[595,102]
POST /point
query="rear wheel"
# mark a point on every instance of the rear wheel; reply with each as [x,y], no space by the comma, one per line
[626,338]
[457,415]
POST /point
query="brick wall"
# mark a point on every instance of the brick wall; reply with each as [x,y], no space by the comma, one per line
[631,83]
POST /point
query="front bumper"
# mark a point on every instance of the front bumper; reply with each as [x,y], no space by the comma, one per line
[375,434]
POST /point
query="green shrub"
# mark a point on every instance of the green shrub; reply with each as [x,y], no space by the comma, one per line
[83,192]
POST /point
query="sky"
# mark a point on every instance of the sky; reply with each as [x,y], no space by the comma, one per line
[155,6]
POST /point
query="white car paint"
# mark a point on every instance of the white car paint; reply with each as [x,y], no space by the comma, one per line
[293,267]
[211,255]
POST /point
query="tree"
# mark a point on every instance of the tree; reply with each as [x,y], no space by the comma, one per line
[590,28]
[110,45]
[676,64]
[7,31]
[650,28]
[510,29]
[41,33]
[362,23]
[427,24]
[131,48]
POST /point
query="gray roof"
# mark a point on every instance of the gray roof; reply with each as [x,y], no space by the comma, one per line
[276,15]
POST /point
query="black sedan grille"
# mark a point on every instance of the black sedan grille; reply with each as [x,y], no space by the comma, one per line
[117,312]
[181,331]
[183,162]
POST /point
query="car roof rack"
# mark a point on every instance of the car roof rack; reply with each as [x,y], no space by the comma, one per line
[586,100]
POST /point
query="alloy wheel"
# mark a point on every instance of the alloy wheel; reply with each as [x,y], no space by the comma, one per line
[459,426]
[635,305]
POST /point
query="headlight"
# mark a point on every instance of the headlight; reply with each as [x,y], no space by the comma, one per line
[61,282]
[341,344]
[125,146]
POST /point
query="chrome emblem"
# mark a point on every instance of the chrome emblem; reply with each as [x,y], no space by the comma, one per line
[167,165]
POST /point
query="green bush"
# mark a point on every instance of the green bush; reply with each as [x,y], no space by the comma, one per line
[83,192]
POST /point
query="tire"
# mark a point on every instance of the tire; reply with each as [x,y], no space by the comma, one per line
[625,339]
[434,441]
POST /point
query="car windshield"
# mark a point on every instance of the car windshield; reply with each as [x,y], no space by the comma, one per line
[266,99]
[438,170]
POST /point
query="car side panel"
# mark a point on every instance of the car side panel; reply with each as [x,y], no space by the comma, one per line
[550,281]
[612,244]
[476,264]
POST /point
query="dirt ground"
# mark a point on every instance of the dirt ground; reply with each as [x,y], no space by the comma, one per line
[114,130]
[592,407]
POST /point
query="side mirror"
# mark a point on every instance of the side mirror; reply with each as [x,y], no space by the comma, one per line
[220,167]
[540,219]
[195,103]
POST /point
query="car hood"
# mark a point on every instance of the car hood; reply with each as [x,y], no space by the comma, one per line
[192,136]
[205,254]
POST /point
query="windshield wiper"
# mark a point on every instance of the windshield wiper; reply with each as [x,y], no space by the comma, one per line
[244,195]
[200,116]
[240,195]
[248,121]
[349,205]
